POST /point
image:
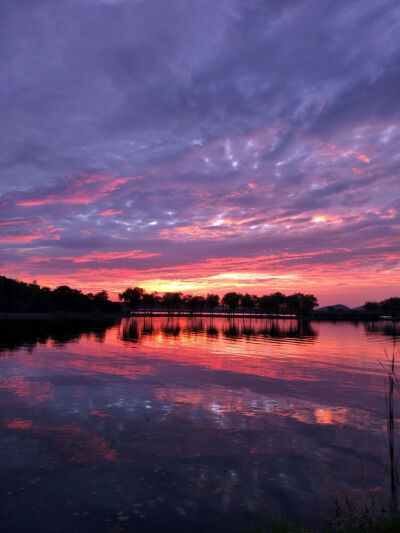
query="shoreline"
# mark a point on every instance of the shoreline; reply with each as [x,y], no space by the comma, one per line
[60,315]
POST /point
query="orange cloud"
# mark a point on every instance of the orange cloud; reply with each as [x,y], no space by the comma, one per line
[363,157]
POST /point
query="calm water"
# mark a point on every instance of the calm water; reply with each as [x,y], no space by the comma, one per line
[187,424]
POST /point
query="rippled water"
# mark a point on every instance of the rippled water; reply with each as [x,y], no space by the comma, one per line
[188,424]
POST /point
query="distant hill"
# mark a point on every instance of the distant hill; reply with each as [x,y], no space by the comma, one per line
[337,308]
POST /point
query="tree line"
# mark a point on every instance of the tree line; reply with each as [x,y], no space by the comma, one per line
[19,297]
[388,307]
[276,303]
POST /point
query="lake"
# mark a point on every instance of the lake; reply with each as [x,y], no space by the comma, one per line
[188,424]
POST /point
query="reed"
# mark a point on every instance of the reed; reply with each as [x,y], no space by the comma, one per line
[392,387]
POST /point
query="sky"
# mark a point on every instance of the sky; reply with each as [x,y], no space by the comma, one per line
[202,146]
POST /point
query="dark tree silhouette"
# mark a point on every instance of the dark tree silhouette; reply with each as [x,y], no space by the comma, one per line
[272,303]
[231,300]
[187,301]
[372,308]
[194,303]
[264,303]
[149,301]
[172,300]
[301,304]
[100,297]
[16,296]
[70,299]
[391,306]
[247,302]
[132,297]
[307,303]
[212,301]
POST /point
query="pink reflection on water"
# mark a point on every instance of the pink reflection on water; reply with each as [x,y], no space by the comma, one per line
[25,388]
[71,443]
[19,424]
[297,357]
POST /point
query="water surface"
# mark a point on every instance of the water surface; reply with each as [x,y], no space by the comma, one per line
[188,424]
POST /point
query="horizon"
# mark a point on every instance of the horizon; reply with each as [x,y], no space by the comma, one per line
[207,147]
[116,298]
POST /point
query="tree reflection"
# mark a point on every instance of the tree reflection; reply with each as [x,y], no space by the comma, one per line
[16,334]
[148,328]
[132,329]
[194,326]
[171,328]
[212,331]
[232,330]
[389,328]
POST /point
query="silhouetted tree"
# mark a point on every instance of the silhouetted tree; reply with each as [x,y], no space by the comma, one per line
[247,302]
[187,302]
[132,297]
[307,303]
[256,300]
[272,303]
[101,297]
[69,299]
[149,301]
[301,304]
[16,296]
[264,303]
[172,300]
[194,303]
[212,301]
[372,308]
[391,306]
[231,300]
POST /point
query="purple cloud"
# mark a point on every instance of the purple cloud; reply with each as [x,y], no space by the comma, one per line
[151,137]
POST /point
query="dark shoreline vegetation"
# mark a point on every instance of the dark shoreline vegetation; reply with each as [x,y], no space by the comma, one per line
[20,297]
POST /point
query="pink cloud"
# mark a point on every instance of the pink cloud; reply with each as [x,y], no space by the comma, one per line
[109,212]
[22,238]
[100,257]
[15,222]
[84,189]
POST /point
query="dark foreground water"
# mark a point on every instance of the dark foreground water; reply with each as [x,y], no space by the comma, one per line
[186,425]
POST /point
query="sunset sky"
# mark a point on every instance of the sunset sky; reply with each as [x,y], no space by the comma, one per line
[202,145]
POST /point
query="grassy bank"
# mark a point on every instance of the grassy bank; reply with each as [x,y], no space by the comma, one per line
[360,524]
